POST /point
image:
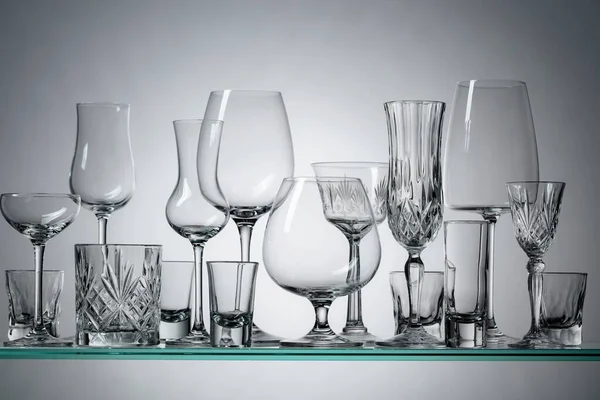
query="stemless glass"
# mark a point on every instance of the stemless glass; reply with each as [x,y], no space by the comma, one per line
[491,140]
[39,217]
[256,153]
[307,242]
[102,170]
[191,214]
[373,175]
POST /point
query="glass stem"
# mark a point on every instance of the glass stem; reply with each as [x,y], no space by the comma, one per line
[489,305]
[245,228]
[354,314]
[535,267]
[38,313]
[102,222]
[414,270]
[198,325]
[321,317]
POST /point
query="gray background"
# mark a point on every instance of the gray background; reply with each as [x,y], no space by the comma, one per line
[335,62]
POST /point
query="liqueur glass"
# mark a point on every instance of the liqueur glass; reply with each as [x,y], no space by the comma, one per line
[490,141]
[39,217]
[373,175]
[102,170]
[414,198]
[313,223]
[256,153]
[535,207]
[189,212]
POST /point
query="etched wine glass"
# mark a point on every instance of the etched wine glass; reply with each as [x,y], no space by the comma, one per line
[535,207]
[102,171]
[191,214]
[313,223]
[39,217]
[255,154]
[490,141]
[414,198]
[373,176]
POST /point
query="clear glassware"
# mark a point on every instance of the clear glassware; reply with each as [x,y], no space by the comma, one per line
[39,217]
[490,141]
[189,212]
[102,171]
[256,153]
[373,175]
[414,200]
[175,289]
[306,247]
[535,207]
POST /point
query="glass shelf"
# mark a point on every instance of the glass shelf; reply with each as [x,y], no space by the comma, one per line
[588,352]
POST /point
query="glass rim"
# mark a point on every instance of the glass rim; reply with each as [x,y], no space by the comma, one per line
[316,179]
[466,222]
[262,92]
[189,120]
[558,183]
[492,83]
[49,271]
[42,194]
[102,104]
[117,245]
[252,263]
[566,273]
[425,272]
[428,102]
[349,164]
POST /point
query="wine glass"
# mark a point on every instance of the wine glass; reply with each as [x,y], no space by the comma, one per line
[189,212]
[102,171]
[39,217]
[535,207]
[373,176]
[306,247]
[256,153]
[491,140]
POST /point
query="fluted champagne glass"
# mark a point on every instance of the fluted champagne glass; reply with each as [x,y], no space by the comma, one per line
[255,154]
[102,171]
[192,214]
[414,198]
[490,141]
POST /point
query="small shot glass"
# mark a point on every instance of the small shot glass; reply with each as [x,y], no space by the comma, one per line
[465,245]
[231,287]
[20,288]
[176,283]
[431,306]
[562,306]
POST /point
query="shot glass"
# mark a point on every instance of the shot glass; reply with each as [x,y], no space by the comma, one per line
[562,306]
[231,291]
[175,286]
[465,245]
[20,289]
[431,306]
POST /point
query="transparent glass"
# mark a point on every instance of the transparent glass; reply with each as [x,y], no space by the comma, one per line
[175,287]
[313,224]
[414,199]
[562,306]
[117,294]
[189,212]
[256,153]
[535,207]
[465,249]
[102,171]
[39,217]
[373,175]
[490,141]
[20,290]
[231,285]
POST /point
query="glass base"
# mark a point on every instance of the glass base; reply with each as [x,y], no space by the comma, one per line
[326,339]
[359,335]
[536,341]
[496,339]
[194,339]
[415,337]
[261,338]
[43,339]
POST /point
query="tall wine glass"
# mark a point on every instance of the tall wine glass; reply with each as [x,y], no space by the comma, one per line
[256,153]
[313,224]
[373,176]
[39,217]
[491,140]
[189,212]
[102,171]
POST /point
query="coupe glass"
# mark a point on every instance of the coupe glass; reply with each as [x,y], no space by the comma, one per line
[373,175]
[256,153]
[313,224]
[102,170]
[490,141]
[535,207]
[189,212]
[39,217]
[414,198]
